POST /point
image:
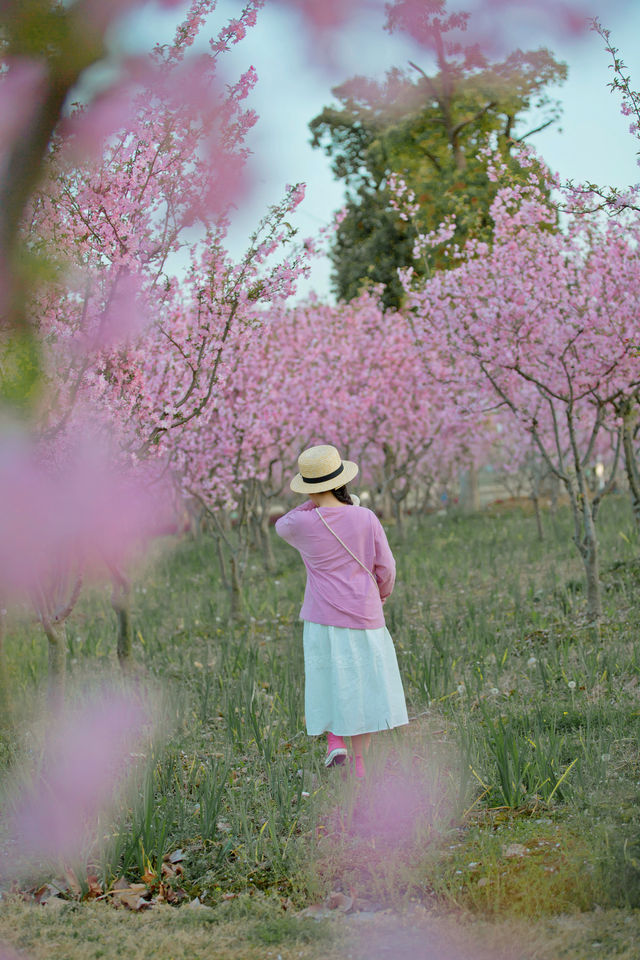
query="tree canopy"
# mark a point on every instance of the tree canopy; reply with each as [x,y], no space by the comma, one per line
[430,128]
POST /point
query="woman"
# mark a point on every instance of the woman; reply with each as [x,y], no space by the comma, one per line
[352,682]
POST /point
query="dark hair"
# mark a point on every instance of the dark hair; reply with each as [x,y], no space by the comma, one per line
[342,494]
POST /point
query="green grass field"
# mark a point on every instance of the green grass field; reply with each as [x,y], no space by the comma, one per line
[507,808]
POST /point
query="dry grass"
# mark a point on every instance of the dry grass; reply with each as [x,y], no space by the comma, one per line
[97,932]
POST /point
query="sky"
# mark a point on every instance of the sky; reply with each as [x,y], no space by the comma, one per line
[591,142]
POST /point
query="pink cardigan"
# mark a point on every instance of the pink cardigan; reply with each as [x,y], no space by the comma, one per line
[339,592]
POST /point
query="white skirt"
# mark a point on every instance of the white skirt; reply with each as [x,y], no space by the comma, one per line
[352,681]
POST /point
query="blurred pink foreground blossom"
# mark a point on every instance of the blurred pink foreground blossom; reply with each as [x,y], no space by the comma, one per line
[73,510]
[22,87]
[494,25]
[87,753]
[396,805]
[7,954]
[398,939]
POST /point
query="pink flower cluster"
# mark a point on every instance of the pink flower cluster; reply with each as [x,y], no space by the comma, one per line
[352,375]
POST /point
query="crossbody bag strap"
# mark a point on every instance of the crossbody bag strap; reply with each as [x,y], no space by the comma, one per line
[357,559]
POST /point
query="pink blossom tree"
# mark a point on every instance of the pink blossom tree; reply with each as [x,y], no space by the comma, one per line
[117,340]
[349,374]
[616,200]
[547,316]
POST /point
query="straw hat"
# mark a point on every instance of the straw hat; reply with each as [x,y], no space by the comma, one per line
[321,468]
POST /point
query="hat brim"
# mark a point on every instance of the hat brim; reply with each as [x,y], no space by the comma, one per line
[300,485]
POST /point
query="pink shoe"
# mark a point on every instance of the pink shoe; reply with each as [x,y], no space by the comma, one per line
[336,751]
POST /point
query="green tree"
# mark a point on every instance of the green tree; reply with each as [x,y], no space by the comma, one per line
[430,128]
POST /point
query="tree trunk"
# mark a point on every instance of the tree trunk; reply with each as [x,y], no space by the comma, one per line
[221,560]
[400,521]
[629,421]
[398,503]
[387,505]
[592,570]
[267,543]
[536,507]
[584,536]
[5,697]
[237,597]
[56,635]
[586,541]
[469,494]
[121,603]
[589,544]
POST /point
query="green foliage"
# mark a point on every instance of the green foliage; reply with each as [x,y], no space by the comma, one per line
[430,129]
[369,246]
[19,368]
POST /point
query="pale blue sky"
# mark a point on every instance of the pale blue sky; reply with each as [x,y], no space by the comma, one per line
[591,142]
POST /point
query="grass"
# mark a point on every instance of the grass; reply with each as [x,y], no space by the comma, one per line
[95,931]
[512,795]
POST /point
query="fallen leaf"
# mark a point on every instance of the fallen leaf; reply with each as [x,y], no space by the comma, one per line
[171,894]
[132,900]
[176,856]
[46,892]
[131,896]
[138,887]
[95,887]
[339,901]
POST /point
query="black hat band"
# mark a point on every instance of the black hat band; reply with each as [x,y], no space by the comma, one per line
[327,476]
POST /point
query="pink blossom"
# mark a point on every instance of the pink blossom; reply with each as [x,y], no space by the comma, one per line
[86,755]
[494,27]
[124,316]
[6,953]
[69,505]
[562,17]
[323,20]
[87,129]
[418,937]
[327,14]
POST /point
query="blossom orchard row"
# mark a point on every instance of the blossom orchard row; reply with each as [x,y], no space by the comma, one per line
[350,374]
[546,318]
[521,357]
[120,355]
